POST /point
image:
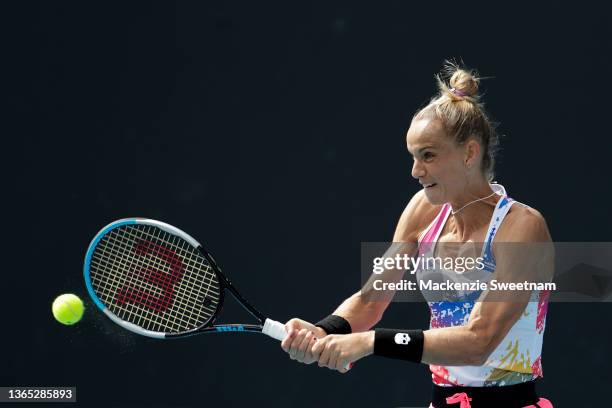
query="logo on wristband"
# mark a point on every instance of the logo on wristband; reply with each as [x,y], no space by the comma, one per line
[402,338]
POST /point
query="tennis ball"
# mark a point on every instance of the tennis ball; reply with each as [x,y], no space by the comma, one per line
[68,309]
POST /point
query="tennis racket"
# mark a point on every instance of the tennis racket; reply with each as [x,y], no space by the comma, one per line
[155,280]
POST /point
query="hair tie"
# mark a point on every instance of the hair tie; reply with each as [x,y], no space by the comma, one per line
[458,92]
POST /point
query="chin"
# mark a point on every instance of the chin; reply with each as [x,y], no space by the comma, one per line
[434,197]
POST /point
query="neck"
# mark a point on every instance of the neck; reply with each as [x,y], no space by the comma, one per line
[472,210]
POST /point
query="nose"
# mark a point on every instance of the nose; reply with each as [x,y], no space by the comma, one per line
[418,170]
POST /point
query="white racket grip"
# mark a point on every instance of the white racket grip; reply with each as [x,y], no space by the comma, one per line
[274,329]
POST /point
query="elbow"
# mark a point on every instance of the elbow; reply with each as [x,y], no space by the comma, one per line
[478,358]
[483,344]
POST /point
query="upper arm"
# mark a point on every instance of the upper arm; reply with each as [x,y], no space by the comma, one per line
[416,215]
[523,252]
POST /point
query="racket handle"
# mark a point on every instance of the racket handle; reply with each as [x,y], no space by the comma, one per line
[274,329]
[277,331]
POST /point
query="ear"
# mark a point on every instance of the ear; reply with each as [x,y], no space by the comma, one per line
[472,152]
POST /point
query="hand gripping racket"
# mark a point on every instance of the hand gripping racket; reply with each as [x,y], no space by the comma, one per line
[155,280]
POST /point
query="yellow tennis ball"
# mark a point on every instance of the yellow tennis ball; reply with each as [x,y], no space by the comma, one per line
[68,309]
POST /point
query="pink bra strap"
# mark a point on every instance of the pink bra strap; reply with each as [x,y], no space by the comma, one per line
[431,234]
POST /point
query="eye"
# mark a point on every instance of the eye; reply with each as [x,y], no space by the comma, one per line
[428,156]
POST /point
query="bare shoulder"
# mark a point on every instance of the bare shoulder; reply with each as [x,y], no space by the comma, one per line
[417,215]
[523,224]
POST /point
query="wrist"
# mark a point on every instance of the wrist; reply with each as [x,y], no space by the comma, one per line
[334,324]
[400,344]
[319,332]
[368,340]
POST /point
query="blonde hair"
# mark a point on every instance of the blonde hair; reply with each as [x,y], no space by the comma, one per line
[458,107]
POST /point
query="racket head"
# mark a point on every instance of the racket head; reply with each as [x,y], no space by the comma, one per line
[152,278]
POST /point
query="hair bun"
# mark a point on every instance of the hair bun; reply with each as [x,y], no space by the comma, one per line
[464,82]
[458,83]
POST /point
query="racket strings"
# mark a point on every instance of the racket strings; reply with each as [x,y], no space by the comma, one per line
[154,279]
[135,310]
[194,263]
[155,288]
[159,266]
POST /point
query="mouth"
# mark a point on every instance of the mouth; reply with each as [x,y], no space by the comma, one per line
[430,185]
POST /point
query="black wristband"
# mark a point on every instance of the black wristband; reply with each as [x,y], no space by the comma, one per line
[334,324]
[399,344]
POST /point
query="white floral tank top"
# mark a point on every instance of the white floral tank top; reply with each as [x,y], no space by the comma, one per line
[517,358]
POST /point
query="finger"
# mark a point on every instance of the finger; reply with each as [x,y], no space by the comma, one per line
[324,358]
[342,364]
[333,359]
[286,343]
[303,347]
[317,348]
[309,353]
[292,341]
[294,349]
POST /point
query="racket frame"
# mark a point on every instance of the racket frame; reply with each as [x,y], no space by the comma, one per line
[224,282]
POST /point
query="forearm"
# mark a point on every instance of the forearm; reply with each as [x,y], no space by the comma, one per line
[360,314]
[450,346]
[455,346]
[365,308]
[447,346]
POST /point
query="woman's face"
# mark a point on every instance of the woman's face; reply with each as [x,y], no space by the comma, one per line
[439,163]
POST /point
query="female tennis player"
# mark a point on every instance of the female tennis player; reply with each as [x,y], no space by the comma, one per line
[482,352]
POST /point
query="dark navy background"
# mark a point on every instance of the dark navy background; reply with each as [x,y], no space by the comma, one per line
[274,133]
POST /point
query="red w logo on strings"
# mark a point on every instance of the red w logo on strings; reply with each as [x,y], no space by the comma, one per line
[163,280]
